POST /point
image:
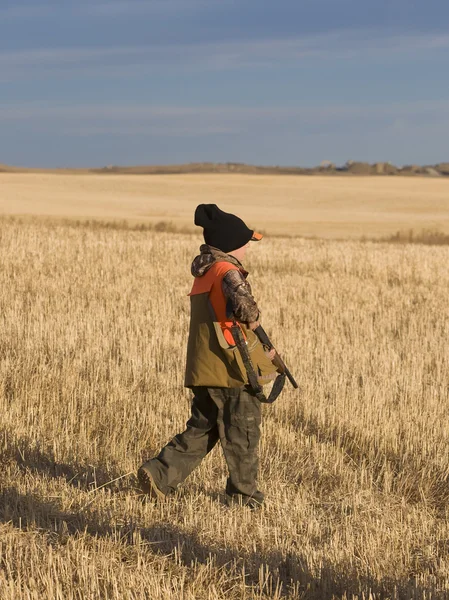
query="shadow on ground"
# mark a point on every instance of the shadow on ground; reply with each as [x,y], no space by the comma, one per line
[29,512]
[408,482]
[31,457]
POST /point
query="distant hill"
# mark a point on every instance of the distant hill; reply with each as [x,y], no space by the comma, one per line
[325,168]
[8,169]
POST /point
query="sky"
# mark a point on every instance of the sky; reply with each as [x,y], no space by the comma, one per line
[269,82]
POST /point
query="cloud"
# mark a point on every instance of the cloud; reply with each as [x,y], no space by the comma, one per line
[182,121]
[137,112]
[214,56]
[164,130]
[87,120]
[26,11]
[63,56]
[136,7]
[104,9]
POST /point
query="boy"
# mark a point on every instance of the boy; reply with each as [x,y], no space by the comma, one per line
[224,406]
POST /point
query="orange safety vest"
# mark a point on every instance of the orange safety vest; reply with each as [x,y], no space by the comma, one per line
[213,360]
[211,283]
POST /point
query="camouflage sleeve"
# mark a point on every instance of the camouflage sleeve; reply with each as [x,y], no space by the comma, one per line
[238,292]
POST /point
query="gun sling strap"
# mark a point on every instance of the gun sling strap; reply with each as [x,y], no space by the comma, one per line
[250,372]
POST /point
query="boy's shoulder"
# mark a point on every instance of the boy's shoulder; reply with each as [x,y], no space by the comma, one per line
[222,267]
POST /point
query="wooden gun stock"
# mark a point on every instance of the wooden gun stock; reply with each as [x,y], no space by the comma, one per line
[277,360]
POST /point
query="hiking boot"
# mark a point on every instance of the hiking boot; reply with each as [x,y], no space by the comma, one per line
[254,501]
[147,483]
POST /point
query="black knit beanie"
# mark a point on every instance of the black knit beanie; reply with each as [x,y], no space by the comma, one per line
[223,230]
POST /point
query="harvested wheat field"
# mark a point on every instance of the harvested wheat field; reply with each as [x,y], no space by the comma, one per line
[355,466]
[322,206]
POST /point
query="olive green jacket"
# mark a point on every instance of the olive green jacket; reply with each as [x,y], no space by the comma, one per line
[212,361]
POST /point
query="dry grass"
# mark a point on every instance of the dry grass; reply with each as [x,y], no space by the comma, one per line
[93,326]
[325,207]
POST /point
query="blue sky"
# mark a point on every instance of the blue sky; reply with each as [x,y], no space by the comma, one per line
[291,82]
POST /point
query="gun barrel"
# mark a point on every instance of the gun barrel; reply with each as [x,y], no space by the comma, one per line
[291,378]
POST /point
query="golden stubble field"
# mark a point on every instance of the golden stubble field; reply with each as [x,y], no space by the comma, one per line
[93,326]
[322,206]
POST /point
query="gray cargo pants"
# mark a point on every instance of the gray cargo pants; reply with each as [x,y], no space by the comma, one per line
[231,415]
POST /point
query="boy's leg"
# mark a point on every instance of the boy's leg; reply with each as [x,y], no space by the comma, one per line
[239,418]
[186,450]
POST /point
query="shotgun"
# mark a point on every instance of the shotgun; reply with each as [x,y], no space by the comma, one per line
[277,360]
